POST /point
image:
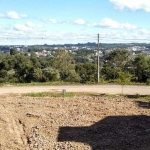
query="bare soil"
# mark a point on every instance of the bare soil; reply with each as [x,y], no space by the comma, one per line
[78,123]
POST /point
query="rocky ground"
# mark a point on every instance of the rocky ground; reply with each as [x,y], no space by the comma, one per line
[78,123]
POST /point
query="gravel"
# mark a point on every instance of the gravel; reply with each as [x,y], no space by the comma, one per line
[78,123]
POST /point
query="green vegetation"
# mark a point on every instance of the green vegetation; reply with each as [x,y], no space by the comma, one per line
[124,78]
[118,66]
[60,94]
[48,94]
[72,94]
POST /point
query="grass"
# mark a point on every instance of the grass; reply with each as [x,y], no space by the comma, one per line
[67,94]
[40,83]
[102,82]
[72,94]
[48,94]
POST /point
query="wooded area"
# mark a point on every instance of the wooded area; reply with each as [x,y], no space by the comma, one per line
[117,66]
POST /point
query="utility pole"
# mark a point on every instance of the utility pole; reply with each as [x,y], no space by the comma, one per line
[98,75]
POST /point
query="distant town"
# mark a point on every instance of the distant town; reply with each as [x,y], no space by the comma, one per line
[48,50]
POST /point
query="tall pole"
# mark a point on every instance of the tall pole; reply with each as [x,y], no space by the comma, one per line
[98,59]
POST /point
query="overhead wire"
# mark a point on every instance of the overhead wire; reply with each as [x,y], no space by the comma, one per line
[82,37]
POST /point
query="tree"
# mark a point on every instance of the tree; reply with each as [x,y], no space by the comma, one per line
[44,62]
[63,62]
[38,75]
[115,61]
[73,76]
[87,72]
[50,74]
[124,78]
[7,62]
[3,75]
[13,51]
[11,76]
[34,60]
[23,68]
[148,70]
[140,67]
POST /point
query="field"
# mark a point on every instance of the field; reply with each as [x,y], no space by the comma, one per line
[74,123]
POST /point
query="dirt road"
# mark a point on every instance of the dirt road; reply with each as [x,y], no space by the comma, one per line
[107,89]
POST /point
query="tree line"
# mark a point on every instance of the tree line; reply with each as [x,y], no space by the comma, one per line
[21,68]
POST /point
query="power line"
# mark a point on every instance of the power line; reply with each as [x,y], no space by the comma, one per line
[103,38]
[47,38]
[84,38]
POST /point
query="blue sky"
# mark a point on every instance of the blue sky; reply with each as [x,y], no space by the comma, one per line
[74,21]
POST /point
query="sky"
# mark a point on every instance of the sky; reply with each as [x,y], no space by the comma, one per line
[29,22]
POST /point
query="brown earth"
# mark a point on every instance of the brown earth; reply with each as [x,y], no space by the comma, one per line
[78,123]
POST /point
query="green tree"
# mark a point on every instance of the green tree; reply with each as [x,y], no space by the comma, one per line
[11,76]
[34,60]
[44,62]
[63,62]
[124,78]
[73,76]
[140,65]
[50,74]
[148,70]
[3,76]
[7,62]
[13,51]
[115,61]
[38,75]
[87,72]
[23,68]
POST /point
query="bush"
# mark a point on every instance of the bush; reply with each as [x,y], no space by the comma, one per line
[73,77]
[50,74]
[148,82]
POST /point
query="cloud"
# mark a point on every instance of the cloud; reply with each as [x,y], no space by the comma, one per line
[39,37]
[52,20]
[79,22]
[26,27]
[110,23]
[21,27]
[71,22]
[34,33]
[3,28]
[124,36]
[107,23]
[13,15]
[132,4]
[32,25]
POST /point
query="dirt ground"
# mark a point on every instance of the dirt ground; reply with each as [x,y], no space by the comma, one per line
[78,123]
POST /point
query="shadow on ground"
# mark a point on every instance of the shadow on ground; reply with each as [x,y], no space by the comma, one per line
[111,133]
[143,104]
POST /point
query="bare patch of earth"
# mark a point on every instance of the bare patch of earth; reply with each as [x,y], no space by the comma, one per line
[78,123]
